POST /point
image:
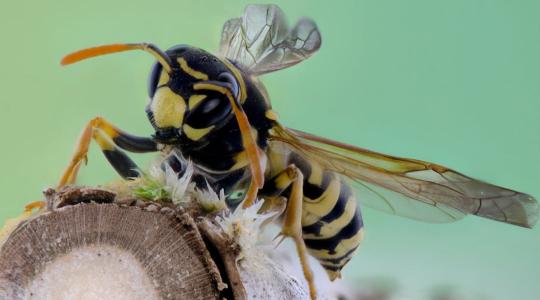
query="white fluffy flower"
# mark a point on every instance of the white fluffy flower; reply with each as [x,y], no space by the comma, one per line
[209,200]
[244,225]
[177,187]
[162,181]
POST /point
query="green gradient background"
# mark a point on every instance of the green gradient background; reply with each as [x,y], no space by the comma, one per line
[456,82]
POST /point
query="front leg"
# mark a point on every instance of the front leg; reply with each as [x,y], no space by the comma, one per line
[109,138]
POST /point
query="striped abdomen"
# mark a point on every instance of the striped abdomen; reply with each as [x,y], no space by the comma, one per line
[331,221]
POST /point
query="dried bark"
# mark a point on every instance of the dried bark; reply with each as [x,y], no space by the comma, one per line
[183,257]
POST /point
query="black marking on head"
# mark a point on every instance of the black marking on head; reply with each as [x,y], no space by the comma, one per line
[167,135]
[198,60]
[178,50]
[153,79]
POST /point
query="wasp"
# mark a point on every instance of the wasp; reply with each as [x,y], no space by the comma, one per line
[212,110]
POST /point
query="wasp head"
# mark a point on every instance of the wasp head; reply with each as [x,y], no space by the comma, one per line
[191,97]
[192,92]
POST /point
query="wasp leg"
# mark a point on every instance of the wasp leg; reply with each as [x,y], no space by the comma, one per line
[117,158]
[34,205]
[292,222]
[108,138]
[251,194]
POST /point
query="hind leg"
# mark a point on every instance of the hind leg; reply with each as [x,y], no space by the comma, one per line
[292,221]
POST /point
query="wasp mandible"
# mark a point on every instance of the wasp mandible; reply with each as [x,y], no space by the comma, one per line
[212,110]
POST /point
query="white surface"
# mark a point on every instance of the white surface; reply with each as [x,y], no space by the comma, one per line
[93,274]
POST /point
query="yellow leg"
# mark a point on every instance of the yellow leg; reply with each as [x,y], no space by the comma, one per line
[108,138]
[80,155]
[34,205]
[292,223]
[73,178]
[255,183]
[251,194]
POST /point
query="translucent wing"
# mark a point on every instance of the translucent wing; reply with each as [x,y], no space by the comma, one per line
[413,188]
[262,42]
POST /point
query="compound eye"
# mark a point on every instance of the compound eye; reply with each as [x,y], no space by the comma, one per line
[210,111]
[153,79]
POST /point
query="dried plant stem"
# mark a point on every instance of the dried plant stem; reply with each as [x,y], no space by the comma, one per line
[152,251]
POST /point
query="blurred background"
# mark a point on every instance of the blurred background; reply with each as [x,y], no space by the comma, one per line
[455,82]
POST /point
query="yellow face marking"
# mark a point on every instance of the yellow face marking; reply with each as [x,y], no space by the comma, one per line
[193,73]
[194,100]
[168,108]
[195,134]
[314,210]
[236,73]
[271,115]
[336,225]
[163,78]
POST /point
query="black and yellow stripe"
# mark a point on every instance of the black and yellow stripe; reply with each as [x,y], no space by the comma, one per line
[111,140]
[331,221]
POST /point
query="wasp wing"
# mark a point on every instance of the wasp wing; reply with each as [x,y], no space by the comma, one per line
[262,42]
[413,188]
